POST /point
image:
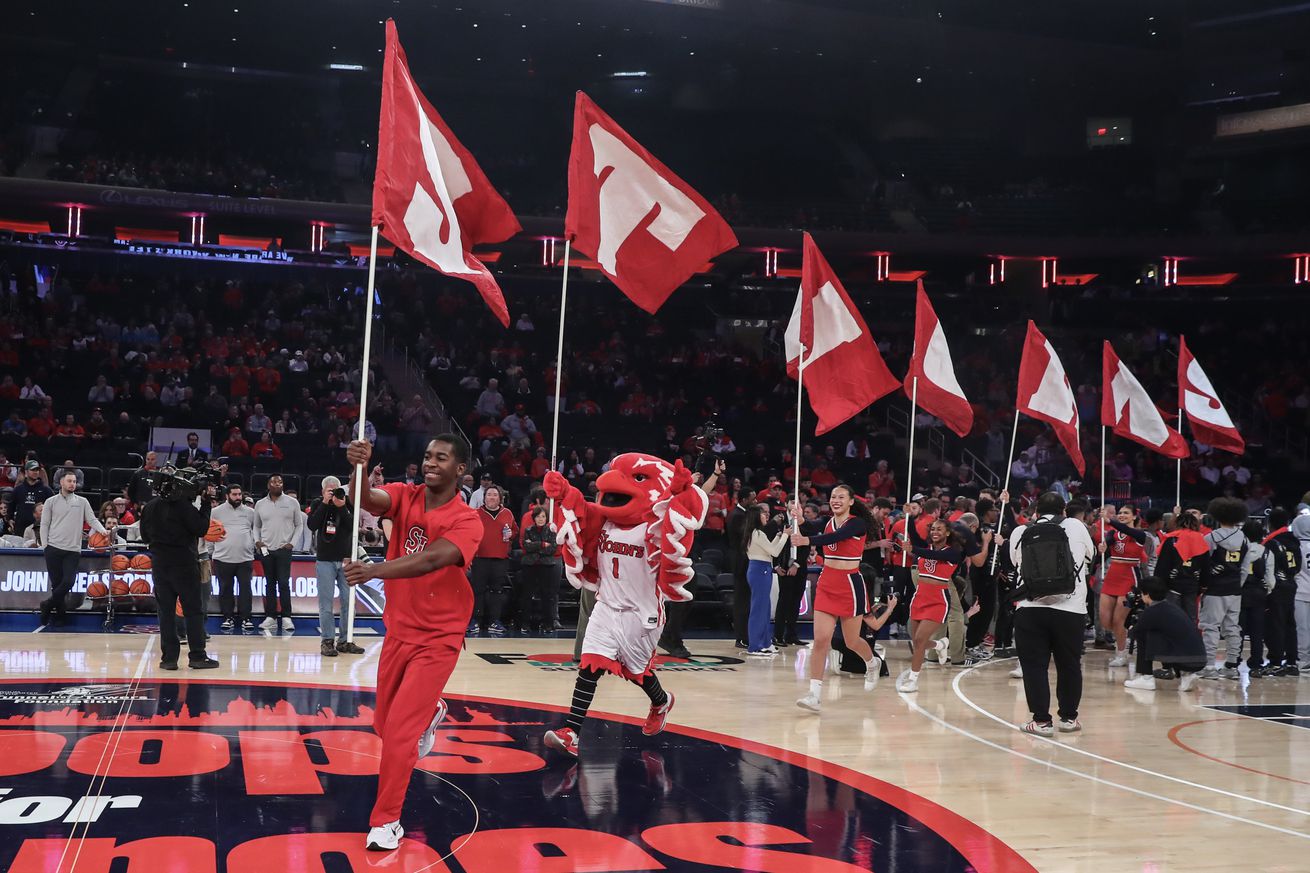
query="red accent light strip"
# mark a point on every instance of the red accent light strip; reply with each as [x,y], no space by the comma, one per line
[130,234]
[25,226]
[1211,279]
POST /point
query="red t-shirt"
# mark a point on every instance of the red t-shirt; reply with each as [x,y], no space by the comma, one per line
[494,543]
[433,608]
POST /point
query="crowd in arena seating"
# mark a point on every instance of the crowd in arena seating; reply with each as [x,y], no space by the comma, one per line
[228,175]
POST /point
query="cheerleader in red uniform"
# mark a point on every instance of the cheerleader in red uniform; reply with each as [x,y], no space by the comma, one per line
[1123,553]
[840,595]
[937,559]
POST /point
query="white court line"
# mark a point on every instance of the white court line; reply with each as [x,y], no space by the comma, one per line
[116,734]
[955,685]
[1097,779]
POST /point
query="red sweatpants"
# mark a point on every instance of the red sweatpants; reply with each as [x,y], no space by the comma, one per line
[410,681]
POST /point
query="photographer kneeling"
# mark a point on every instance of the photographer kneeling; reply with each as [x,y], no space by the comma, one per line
[1164,633]
[172,524]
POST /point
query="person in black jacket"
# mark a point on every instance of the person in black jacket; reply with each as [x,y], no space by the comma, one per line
[736,555]
[330,518]
[173,526]
[1284,552]
[1164,633]
[793,570]
[539,573]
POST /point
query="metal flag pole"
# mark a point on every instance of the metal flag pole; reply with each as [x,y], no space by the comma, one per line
[360,481]
[559,364]
[1009,462]
[909,467]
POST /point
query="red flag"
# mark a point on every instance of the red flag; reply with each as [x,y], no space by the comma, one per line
[430,197]
[1127,409]
[939,392]
[1045,393]
[1206,414]
[647,229]
[844,372]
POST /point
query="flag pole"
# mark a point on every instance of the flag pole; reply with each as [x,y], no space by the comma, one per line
[559,367]
[796,458]
[1009,462]
[1178,489]
[1103,486]
[909,467]
[360,482]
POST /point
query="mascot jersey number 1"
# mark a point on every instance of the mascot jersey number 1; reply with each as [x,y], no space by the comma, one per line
[631,547]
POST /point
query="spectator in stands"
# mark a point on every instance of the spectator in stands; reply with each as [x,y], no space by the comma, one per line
[477,498]
[126,429]
[411,476]
[101,391]
[266,448]
[43,425]
[490,570]
[285,424]
[258,422]
[235,446]
[97,429]
[32,533]
[8,389]
[67,468]
[70,429]
[540,573]
[28,494]
[31,390]
[9,475]
[490,403]
[416,422]
[14,426]
[519,426]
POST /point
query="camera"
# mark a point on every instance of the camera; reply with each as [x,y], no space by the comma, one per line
[706,456]
[187,483]
[1133,600]
[339,493]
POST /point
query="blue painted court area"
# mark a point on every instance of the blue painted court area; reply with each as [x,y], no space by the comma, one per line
[1292,714]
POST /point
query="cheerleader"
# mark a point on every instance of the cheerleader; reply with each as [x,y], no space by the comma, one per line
[1123,553]
[937,559]
[840,595]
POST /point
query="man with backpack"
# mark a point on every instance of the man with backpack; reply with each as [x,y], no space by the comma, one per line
[1052,555]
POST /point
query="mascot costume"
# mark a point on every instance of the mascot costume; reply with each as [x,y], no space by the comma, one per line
[631,548]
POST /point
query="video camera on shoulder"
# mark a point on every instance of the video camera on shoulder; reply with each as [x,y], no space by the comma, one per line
[186,483]
[706,456]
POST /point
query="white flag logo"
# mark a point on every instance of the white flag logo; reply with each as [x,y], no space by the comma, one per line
[1144,419]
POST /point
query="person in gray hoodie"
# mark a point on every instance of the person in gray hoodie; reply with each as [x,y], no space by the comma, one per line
[1221,602]
[1300,528]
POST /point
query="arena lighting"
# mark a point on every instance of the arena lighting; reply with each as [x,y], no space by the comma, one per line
[1300,269]
[74,221]
[354,68]
[770,263]
[548,250]
[634,74]
[197,230]
[1048,271]
[1170,272]
[882,266]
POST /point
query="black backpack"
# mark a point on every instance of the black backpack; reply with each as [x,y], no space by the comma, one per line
[1046,567]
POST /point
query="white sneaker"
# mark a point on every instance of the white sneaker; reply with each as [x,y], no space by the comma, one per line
[872,673]
[288,626]
[268,623]
[1144,682]
[810,702]
[429,738]
[1120,659]
[385,838]
[1210,672]
[907,683]
[763,653]
[1069,725]
[941,651]
[1017,672]
[834,663]
[1188,682]
[1039,728]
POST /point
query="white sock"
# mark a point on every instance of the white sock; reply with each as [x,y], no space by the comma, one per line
[869,663]
[816,687]
[914,674]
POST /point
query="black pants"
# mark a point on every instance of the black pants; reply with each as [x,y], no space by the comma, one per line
[489,578]
[790,591]
[1042,633]
[174,582]
[277,576]
[62,569]
[741,603]
[1280,628]
[675,612]
[539,581]
[984,589]
[1184,665]
[903,588]
[1185,598]
[1252,620]
[1004,632]
[234,578]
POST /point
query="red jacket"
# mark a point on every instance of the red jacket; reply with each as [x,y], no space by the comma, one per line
[499,530]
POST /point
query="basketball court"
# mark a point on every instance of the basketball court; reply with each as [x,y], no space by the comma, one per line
[269,763]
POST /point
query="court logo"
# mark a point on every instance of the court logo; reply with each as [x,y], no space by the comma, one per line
[75,695]
[489,798]
[558,663]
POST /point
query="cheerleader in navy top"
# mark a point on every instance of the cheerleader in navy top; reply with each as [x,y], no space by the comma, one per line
[840,595]
[937,559]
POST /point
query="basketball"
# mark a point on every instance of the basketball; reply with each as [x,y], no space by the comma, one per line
[216,532]
[139,586]
[98,540]
[119,563]
[97,589]
[140,562]
[118,587]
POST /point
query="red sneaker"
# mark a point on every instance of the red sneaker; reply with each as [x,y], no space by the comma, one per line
[563,740]
[656,717]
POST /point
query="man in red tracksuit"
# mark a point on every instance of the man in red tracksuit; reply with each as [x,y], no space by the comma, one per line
[490,575]
[428,604]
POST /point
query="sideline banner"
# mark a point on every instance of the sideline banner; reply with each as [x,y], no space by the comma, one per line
[24,583]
